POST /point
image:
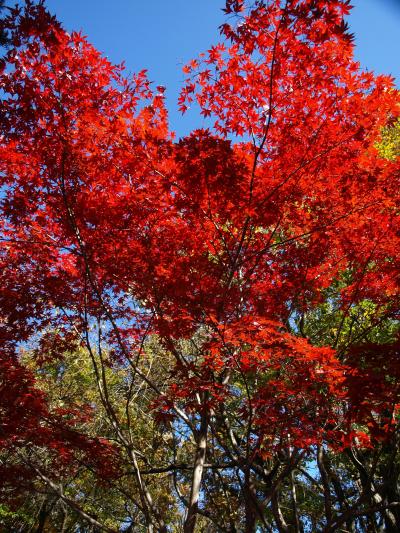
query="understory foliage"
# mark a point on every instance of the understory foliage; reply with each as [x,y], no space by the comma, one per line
[200,334]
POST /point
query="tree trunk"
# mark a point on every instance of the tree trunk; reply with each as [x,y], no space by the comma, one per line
[198,469]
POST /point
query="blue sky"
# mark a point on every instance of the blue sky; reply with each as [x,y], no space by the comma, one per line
[164,34]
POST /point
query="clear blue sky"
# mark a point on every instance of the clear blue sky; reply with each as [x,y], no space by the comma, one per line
[162,35]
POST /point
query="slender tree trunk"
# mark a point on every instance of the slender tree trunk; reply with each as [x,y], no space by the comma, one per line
[250,512]
[280,521]
[43,513]
[198,469]
[297,523]
[65,518]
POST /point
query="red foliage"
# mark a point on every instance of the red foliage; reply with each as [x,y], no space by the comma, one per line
[27,422]
[106,218]
[374,387]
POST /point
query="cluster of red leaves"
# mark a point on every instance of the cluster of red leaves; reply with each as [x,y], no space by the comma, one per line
[26,423]
[106,218]
[298,384]
[293,389]
[374,387]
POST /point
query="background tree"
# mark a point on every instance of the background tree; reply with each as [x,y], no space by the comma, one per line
[389,147]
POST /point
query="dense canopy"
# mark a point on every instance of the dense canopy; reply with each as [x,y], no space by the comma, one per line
[200,334]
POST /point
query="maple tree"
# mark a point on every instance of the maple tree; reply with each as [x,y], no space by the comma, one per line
[233,295]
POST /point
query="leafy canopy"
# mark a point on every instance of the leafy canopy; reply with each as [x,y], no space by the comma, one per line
[233,295]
